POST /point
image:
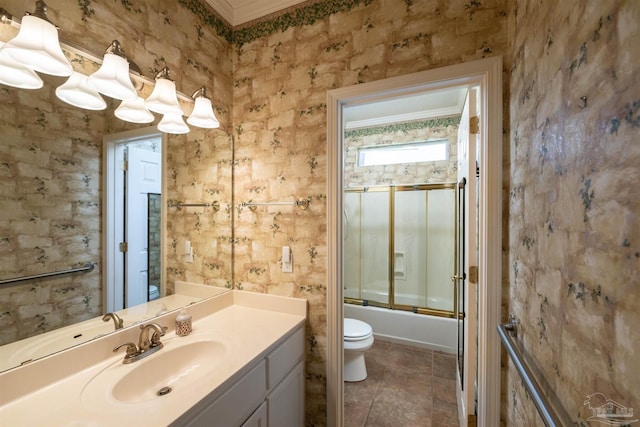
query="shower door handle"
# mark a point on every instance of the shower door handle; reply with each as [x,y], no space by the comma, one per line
[456,277]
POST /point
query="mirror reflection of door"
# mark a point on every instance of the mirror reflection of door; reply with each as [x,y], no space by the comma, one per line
[135,178]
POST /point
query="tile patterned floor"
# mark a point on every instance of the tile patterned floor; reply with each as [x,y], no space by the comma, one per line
[405,387]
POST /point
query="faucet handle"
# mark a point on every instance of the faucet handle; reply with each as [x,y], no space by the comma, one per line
[155,337]
[132,350]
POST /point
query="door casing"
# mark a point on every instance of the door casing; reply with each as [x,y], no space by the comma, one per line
[487,74]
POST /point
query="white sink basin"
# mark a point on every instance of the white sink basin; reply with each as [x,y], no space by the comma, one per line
[175,368]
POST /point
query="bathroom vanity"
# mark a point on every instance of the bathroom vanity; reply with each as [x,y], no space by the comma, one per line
[243,365]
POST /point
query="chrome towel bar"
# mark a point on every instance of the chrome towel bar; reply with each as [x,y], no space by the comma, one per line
[86,268]
[548,412]
[301,203]
[215,205]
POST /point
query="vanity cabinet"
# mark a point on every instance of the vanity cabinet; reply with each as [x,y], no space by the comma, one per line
[270,394]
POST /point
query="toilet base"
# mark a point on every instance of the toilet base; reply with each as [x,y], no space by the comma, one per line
[354,367]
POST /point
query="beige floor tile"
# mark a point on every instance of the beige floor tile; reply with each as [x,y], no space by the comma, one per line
[405,386]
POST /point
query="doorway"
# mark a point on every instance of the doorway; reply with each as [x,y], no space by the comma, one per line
[133,218]
[486,74]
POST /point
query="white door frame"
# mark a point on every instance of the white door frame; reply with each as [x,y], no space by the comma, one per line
[112,271]
[487,74]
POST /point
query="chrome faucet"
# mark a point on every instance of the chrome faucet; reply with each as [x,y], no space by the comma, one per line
[117,321]
[148,343]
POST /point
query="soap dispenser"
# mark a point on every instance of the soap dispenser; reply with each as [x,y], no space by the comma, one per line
[183,323]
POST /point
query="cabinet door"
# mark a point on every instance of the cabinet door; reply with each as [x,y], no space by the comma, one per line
[234,406]
[286,401]
[258,418]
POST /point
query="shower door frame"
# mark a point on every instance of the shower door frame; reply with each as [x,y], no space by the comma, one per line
[391,304]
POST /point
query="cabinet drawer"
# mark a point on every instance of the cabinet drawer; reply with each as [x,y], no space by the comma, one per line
[285,357]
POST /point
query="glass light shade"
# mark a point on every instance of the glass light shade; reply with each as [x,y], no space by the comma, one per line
[112,79]
[163,98]
[133,110]
[77,92]
[173,123]
[36,46]
[202,115]
[12,73]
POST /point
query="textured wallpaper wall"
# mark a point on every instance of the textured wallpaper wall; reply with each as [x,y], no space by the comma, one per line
[574,206]
[279,119]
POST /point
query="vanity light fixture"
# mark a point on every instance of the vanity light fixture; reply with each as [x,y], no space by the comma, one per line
[36,46]
[14,74]
[173,123]
[133,110]
[112,79]
[77,92]
[202,115]
[163,98]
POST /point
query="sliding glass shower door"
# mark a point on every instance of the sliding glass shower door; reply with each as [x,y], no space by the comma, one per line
[366,246]
[399,247]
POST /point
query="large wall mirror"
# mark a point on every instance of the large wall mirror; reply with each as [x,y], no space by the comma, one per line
[56,213]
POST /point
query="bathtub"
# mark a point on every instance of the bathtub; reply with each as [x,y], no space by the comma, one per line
[405,327]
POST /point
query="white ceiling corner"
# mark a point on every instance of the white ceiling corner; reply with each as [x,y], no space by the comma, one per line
[419,106]
[237,12]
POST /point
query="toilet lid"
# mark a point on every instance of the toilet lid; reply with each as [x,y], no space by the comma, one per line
[354,328]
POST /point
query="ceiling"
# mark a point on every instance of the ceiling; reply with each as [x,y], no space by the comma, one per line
[421,106]
[238,12]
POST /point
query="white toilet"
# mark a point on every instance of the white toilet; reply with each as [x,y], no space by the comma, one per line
[358,338]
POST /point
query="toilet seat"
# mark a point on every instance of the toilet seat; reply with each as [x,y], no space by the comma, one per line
[356,330]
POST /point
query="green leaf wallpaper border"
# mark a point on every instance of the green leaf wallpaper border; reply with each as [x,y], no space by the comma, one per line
[404,127]
[205,13]
[298,16]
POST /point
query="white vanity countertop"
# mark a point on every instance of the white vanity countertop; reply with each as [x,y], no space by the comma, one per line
[50,391]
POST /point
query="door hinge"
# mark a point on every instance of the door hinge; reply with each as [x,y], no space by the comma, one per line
[124,166]
[124,246]
[473,274]
[474,124]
